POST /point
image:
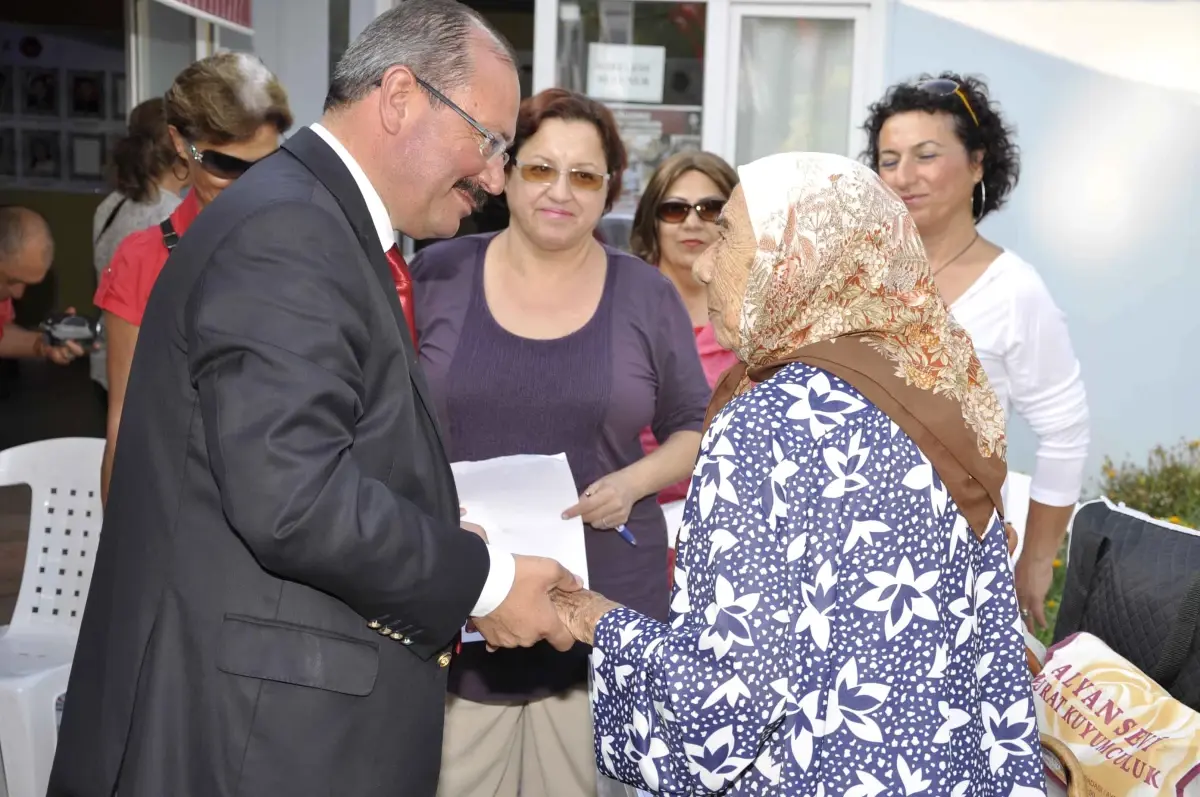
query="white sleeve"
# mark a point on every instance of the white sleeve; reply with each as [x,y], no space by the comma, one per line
[1047,391]
[501,576]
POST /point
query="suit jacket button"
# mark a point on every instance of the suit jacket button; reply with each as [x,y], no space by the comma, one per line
[385,631]
[374,624]
[396,635]
[444,659]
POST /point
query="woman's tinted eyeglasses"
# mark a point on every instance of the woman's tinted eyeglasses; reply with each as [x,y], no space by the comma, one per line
[577,178]
[675,211]
[218,164]
[944,87]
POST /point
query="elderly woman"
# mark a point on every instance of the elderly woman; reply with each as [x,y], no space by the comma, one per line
[844,620]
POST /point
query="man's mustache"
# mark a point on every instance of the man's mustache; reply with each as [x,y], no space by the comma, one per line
[474,191]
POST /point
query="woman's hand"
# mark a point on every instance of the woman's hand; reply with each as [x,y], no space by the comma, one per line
[607,503]
[580,611]
[1033,576]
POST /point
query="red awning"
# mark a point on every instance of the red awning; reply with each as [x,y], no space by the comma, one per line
[234,11]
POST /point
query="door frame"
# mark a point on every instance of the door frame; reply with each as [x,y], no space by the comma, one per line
[718,127]
[137,49]
[721,83]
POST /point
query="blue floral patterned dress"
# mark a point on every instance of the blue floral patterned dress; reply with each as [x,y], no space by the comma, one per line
[837,629]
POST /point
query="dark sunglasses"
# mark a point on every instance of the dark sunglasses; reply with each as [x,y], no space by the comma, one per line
[546,174]
[675,211]
[944,87]
[218,164]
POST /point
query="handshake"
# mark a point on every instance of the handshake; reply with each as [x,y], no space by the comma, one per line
[546,602]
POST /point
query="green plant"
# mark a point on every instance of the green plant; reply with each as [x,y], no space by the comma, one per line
[1166,487]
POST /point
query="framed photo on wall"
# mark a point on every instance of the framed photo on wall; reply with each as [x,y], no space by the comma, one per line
[7,90]
[119,98]
[85,95]
[8,152]
[41,154]
[39,92]
[87,156]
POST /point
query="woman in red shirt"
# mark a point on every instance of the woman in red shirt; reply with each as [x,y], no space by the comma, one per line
[674,223]
[224,113]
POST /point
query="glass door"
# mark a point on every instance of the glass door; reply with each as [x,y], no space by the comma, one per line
[644,59]
[798,79]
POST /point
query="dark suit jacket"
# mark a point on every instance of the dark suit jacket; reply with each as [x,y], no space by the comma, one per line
[279,483]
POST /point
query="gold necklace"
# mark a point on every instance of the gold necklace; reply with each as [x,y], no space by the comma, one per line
[942,267]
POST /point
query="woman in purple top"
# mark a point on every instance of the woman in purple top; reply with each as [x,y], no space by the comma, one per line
[540,340]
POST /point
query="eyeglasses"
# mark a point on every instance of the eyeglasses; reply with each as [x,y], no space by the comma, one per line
[492,145]
[218,164]
[675,211]
[577,178]
[944,87]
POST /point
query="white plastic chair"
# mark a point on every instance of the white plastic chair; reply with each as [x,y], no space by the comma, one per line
[37,648]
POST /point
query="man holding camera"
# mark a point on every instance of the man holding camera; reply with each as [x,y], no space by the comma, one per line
[26,249]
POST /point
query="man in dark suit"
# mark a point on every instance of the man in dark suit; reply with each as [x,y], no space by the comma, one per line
[281,573]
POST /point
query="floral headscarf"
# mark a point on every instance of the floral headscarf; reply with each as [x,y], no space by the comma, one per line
[840,280]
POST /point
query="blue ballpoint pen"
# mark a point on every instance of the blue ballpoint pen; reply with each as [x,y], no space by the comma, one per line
[627,535]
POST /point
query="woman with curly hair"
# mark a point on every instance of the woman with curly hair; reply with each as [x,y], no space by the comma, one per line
[943,147]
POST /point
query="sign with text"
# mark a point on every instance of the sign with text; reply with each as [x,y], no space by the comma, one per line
[1131,737]
[626,72]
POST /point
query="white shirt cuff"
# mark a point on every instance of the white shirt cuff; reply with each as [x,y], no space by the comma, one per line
[500,579]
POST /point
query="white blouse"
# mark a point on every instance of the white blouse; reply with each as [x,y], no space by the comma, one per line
[1021,338]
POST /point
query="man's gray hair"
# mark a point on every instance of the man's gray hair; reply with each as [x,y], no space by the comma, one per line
[430,37]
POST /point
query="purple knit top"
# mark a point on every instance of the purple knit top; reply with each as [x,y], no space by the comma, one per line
[588,394]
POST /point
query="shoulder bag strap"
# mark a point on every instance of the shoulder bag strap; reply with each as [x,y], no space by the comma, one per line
[170,237]
[111,218]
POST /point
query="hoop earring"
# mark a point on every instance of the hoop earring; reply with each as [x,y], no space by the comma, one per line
[982,200]
[180,162]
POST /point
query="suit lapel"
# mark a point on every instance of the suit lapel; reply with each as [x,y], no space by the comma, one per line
[326,166]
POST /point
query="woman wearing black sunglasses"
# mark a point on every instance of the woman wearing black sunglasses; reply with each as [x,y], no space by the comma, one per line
[674,224]
[223,113]
[943,147]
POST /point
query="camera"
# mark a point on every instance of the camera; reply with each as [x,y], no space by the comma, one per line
[60,329]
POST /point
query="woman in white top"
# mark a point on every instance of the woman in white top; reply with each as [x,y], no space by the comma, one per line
[148,188]
[942,145]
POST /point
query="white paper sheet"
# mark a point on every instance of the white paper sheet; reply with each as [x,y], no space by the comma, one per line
[519,501]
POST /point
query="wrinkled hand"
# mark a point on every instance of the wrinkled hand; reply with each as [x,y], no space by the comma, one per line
[527,616]
[581,610]
[607,503]
[1033,576]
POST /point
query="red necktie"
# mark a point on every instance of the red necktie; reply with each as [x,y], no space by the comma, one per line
[404,290]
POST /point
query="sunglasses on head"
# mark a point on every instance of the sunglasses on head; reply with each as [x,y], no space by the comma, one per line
[546,174]
[218,164]
[944,87]
[675,211]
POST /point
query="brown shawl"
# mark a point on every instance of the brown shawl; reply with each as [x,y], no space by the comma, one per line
[840,281]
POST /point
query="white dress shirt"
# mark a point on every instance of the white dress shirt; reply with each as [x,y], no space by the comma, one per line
[503,569]
[1021,338]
